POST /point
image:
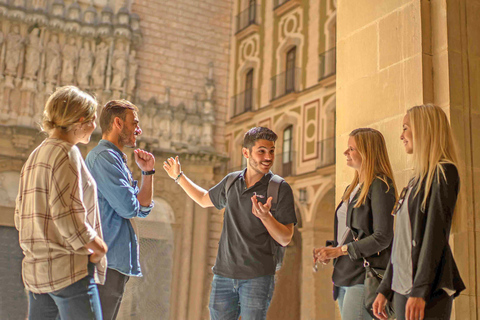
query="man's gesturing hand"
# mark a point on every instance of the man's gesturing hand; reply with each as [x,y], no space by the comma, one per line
[145,160]
[261,211]
[172,167]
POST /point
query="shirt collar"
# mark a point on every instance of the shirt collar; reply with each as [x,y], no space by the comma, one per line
[264,180]
[114,147]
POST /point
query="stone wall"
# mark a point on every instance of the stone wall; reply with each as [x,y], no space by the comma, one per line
[181,39]
[404,53]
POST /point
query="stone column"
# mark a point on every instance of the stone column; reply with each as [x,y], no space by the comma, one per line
[457,61]
[404,53]
[307,307]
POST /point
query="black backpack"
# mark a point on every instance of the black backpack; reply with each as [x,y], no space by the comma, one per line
[272,191]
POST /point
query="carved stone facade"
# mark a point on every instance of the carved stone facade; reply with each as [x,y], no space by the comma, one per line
[105,47]
[60,44]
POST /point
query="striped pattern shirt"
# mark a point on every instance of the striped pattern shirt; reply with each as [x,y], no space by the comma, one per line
[56,214]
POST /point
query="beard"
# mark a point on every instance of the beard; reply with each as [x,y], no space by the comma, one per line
[125,138]
[256,165]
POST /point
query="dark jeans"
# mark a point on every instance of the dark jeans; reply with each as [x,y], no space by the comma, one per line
[111,293]
[232,298]
[439,307]
[79,300]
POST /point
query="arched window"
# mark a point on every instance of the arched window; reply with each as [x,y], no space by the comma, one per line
[290,70]
[287,151]
[248,96]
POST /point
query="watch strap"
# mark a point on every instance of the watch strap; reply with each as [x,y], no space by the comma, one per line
[148,173]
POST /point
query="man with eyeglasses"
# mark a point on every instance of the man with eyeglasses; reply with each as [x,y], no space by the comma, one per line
[119,197]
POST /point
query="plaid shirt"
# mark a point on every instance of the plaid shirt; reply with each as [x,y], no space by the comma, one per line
[56,214]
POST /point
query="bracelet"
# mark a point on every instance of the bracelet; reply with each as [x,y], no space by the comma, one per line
[148,173]
[178,177]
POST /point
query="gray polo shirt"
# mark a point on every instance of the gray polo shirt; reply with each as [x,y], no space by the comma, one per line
[245,247]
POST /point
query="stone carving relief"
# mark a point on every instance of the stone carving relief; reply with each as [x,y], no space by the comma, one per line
[85,66]
[98,74]
[53,61]
[69,58]
[44,44]
[14,53]
[181,127]
[119,64]
[132,74]
[33,54]
[96,50]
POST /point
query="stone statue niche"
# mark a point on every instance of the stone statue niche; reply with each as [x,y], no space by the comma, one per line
[33,54]
[100,66]
[70,59]
[53,65]
[119,64]
[14,54]
[85,65]
[132,74]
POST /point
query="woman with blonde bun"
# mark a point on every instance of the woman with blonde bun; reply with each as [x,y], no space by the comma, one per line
[422,277]
[57,215]
[363,227]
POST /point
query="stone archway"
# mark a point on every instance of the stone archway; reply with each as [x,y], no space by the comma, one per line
[149,296]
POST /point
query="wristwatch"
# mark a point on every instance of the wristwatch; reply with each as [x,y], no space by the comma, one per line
[148,173]
[345,249]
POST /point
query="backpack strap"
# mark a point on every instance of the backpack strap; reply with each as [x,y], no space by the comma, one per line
[273,189]
[231,179]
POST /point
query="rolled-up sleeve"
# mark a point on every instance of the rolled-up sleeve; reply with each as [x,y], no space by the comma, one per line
[114,183]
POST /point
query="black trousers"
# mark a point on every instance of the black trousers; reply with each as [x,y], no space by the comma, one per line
[111,293]
[439,307]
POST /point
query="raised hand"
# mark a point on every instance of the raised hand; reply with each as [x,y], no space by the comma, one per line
[145,160]
[172,167]
[261,211]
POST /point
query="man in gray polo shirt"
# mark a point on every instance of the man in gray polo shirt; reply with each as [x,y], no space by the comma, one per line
[244,271]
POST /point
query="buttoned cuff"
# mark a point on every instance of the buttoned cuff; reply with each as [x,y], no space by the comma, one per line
[147,209]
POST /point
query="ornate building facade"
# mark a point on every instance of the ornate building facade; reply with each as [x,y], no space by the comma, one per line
[156,54]
[283,76]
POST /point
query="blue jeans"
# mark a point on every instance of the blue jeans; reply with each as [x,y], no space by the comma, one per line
[232,298]
[78,301]
[352,299]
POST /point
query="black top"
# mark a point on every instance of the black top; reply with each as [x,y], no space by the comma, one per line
[433,265]
[372,222]
[245,247]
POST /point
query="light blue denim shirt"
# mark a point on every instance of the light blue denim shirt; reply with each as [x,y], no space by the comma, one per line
[117,200]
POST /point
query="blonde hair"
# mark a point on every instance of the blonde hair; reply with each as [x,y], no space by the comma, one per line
[66,106]
[375,162]
[432,145]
